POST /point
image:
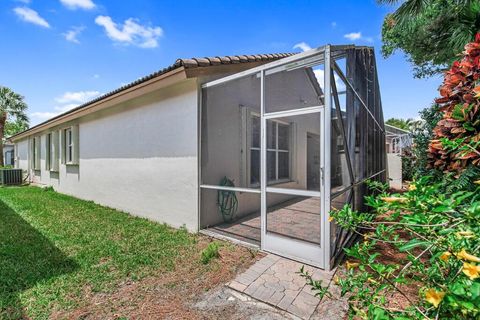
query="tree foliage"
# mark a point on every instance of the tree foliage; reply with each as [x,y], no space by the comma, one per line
[422,134]
[430,32]
[456,141]
[15,126]
[400,123]
[13,116]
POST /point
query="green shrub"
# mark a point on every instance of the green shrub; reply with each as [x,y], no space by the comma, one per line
[408,165]
[422,135]
[210,252]
[435,237]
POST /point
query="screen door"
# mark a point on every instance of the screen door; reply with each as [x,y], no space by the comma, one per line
[292,158]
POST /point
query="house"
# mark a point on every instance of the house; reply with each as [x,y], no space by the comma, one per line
[397,141]
[251,147]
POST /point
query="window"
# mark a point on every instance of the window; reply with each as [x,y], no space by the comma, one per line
[278,151]
[35,152]
[255,151]
[69,145]
[69,137]
[48,152]
[15,155]
[9,158]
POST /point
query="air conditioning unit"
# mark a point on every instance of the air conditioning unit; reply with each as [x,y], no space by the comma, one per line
[11,176]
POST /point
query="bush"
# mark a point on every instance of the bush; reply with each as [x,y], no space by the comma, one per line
[435,237]
[210,252]
[456,141]
[422,134]
[408,165]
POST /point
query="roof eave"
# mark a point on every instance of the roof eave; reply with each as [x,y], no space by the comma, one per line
[163,80]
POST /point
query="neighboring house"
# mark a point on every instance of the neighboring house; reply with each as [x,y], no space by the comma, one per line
[160,147]
[397,141]
[9,154]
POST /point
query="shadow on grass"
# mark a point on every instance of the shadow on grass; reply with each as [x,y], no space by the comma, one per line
[26,258]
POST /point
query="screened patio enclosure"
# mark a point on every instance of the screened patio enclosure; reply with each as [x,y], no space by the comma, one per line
[284,143]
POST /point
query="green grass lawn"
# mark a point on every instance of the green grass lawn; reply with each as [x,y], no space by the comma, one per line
[53,246]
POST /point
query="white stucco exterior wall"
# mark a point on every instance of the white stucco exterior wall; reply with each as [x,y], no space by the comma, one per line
[394,170]
[139,157]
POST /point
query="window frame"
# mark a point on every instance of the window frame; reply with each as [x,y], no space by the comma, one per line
[51,151]
[68,145]
[48,151]
[10,156]
[277,150]
[36,153]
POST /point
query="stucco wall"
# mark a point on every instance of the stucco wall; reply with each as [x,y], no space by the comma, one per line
[394,170]
[140,157]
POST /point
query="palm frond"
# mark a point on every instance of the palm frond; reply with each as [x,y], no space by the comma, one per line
[388,2]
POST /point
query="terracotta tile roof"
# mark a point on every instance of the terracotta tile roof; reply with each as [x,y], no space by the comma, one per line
[212,61]
[186,63]
[195,63]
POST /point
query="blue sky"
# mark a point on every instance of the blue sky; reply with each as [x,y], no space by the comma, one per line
[60,53]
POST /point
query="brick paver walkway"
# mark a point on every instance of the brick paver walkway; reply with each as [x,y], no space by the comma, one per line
[274,280]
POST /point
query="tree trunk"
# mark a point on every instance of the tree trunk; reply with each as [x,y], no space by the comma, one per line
[3,119]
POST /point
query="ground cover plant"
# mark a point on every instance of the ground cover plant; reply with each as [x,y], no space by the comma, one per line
[418,254]
[61,257]
[435,263]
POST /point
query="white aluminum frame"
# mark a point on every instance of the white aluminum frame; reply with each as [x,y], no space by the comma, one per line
[307,252]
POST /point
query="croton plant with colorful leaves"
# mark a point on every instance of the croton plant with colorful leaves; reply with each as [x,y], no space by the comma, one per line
[456,143]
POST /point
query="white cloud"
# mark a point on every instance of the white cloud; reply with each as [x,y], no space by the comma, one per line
[333,24]
[72,34]
[320,75]
[67,101]
[42,116]
[77,97]
[131,32]
[32,16]
[66,107]
[353,36]
[96,76]
[302,46]
[357,36]
[78,4]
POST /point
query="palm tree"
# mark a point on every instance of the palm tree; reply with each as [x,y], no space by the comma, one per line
[431,32]
[410,8]
[12,108]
